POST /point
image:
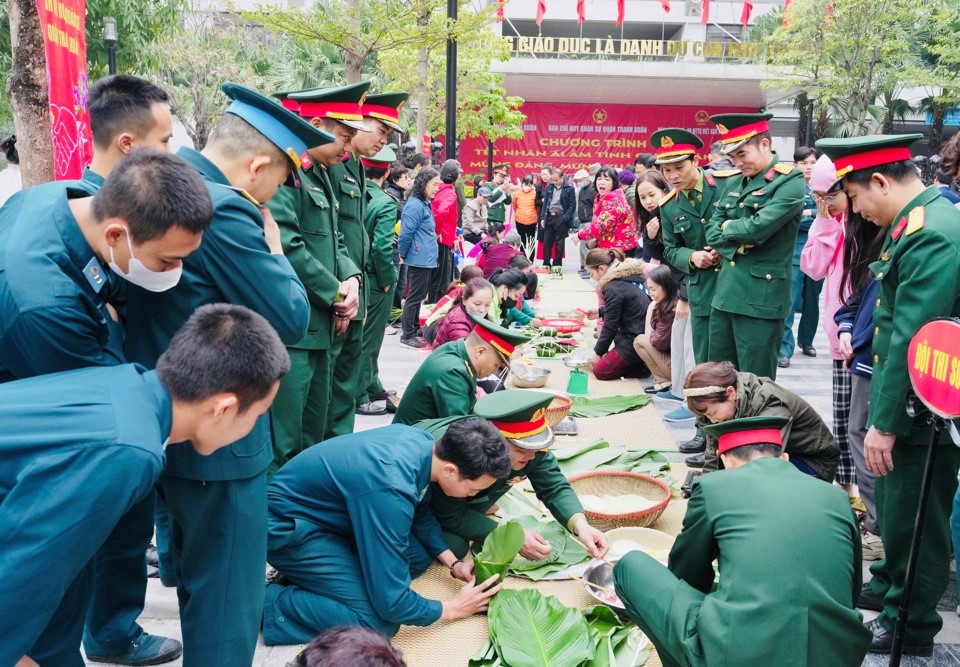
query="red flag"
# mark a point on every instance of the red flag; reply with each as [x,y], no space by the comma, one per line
[666,5]
[582,11]
[705,17]
[541,10]
[620,11]
[745,14]
[786,6]
[500,11]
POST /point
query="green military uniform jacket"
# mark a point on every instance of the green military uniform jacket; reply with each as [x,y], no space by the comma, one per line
[685,232]
[754,229]
[919,277]
[311,240]
[805,436]
[496,210]
[467,518]
[445,385]
[380,219]
[347,178]
[789,577]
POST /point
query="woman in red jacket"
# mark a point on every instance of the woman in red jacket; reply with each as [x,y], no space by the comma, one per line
[446,216]
[653,346]
[475,299]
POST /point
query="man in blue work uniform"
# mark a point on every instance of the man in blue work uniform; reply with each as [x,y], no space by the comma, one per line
[81,447]
[342,514]
[217,504]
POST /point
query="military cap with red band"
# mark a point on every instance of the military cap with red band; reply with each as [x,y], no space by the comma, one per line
[342,104]
[762,429]
[856,153]
[382,160]
[736,129]
[674,144]
[519,415]
[500,338]
[385,107]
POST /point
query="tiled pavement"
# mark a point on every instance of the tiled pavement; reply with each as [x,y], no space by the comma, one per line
[808,377]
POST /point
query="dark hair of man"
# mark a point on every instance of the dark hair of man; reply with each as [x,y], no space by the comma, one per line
[861,247]
[603,257]
[426,175]
[374,173]
[710,374]
[755,140]
[643,216]
[942,177]
[803,152]
[349,645]
[152,192]
[903,171]
[663,276]
[122,103]
[418,159]
[9,148]
[519,262]
[610,173]
[223,348]
[236,139]
[556,171]
[397,170]
[509,278]
[527,180]
[476,447]
[745,453]
[648,160]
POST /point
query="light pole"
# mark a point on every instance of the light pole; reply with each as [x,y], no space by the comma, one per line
[110,37]
[451,99]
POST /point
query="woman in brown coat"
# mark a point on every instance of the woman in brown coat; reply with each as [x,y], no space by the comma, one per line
[716,392]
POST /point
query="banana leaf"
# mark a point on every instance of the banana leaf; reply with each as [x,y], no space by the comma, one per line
[486,657]
[617,642]
[530,630]
[564,453]
[590,460]
[515,504]
[607,405]
[499,549]
[564,551]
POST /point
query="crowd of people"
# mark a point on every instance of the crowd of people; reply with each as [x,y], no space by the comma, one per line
[152,312]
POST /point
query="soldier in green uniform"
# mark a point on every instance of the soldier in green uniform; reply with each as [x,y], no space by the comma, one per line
[519,414]
[217,503]
[918,272]
[380,218]
[347,179]
[445,385]
[790,580]
[753,229]
[310,232]
[380,215]
[342,514]
[499,194]
[684,215]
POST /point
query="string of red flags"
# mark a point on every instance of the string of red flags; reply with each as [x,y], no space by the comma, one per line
[745,14]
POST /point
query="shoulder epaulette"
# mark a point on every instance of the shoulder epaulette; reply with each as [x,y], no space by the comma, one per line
[725,173]
[915,220]
[783,168]
[670,195]
[711,181]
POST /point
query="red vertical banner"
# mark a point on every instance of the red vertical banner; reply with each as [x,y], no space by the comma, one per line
[62,23]
[705,16]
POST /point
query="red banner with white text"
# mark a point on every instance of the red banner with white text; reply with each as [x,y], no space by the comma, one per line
[62,23]
[573,136]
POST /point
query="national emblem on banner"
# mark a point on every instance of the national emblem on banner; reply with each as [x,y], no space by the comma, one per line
[599,115]
[702,117]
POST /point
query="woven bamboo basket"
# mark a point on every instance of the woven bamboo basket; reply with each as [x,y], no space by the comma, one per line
[618,482]
[558,410]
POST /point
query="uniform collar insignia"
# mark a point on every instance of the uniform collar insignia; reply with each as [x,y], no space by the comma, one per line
[93,272]
[898,230]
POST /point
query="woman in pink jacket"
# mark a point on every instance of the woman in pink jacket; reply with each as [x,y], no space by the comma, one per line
[822,257]
[612,225]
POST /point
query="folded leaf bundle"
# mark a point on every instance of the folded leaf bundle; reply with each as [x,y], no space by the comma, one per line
[499,549]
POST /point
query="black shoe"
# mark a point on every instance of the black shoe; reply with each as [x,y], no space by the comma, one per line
[413,342]
[783,362]
[883,642]
[371,409]
[869,599]
[392,403]
[147,649]
[808,350]
[382,396]
[696,445]
[695,461]
[152,558]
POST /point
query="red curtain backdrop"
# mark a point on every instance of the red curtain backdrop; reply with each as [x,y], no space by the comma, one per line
[573,136]
[62,22]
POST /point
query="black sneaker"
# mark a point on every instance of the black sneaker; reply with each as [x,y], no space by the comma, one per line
[147,649]
[413,342]
[808,350]
[696,445]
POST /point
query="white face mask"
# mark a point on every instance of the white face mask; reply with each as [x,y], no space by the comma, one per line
[138,274]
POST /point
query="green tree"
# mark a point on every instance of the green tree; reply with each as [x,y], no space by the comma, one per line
[939,60]
[845,54]
[209,49]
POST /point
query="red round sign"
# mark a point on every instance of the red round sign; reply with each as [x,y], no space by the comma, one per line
[933,361]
